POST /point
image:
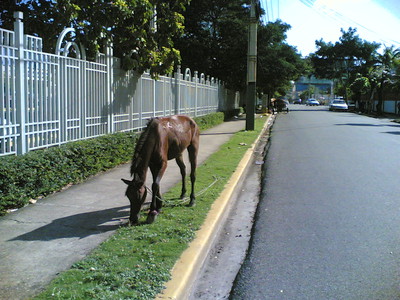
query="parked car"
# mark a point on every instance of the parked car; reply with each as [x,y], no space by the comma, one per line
[281,105]
[312,102]
[297,101]
[338,104]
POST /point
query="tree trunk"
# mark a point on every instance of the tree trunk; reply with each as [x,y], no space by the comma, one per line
[380,99]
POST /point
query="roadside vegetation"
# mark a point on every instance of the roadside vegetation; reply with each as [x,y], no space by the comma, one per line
[136,262]
[206,36]
[362,70]
[26,178]
[210,37]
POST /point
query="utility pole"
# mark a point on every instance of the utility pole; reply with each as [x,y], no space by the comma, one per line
[251,68]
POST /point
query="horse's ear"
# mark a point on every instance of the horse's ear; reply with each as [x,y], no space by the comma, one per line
[128,182]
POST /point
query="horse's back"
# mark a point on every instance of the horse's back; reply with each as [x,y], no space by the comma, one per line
[180,125]
[177,133]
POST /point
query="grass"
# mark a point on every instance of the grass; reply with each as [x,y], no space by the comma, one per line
[136,261]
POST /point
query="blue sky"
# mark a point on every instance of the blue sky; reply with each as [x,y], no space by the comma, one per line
[375,20]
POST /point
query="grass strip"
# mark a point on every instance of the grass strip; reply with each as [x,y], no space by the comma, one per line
[136,261]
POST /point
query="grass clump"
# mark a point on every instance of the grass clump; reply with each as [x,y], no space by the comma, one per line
[136,262]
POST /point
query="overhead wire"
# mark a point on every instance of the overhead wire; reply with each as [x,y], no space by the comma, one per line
[271,10]
[264,5]
[342,20]
[278,9]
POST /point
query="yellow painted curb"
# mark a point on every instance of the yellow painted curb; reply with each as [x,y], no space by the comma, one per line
[188,265]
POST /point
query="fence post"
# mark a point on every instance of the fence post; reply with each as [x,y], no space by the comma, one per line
[153,94]
[178,90]
[20,83]
[196,82]
[110,84]
[208,84]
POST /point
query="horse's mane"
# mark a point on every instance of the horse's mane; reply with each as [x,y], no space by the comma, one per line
[139,147]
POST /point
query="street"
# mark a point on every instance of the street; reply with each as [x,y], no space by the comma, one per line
[328,222]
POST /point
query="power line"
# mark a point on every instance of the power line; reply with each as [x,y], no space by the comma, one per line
[267,10]
[272,10]
[267,17]
[278,8]
[341,19]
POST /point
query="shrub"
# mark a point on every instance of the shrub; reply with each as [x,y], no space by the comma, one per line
[210,120]
[42,172]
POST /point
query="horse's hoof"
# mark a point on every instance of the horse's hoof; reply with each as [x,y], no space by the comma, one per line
[133,223]
[192,203]
[151,217]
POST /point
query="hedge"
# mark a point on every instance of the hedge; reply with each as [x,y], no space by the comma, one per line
[42,172]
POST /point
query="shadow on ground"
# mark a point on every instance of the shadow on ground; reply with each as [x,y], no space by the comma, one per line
[79,225]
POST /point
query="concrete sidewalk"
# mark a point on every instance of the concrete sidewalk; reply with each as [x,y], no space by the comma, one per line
[41,240]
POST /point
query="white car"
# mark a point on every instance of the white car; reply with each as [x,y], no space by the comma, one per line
[312,102]
[338,104]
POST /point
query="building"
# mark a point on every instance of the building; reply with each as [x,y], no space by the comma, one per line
[311,87]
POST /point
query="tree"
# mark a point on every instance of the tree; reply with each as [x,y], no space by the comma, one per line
[215,40]
[278,62]
[345,59]
[215,43]
[141,31]
[361,85]
[383,73]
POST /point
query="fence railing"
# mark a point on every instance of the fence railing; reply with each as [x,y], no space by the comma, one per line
[51,99]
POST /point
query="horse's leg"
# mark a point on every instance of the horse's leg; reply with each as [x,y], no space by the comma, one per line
[182,167]
[193,149]
[156,200]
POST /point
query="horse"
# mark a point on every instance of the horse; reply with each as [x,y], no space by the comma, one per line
[163,139]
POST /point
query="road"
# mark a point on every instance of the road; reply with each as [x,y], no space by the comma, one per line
[328,222]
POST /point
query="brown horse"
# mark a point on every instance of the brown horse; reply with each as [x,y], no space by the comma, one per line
[163,139]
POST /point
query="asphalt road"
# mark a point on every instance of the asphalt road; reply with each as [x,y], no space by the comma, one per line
[328,221]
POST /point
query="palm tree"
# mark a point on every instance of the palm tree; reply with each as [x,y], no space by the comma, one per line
[383,73]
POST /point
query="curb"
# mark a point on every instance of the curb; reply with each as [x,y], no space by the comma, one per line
[186,268]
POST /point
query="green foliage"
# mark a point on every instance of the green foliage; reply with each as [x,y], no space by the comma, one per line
[359,86]
[136,262]
[278,63]
[358,67]
[209,35]
[382,75]
[210,120]
[42,172]
[141,30]
[345,59]
[216,42]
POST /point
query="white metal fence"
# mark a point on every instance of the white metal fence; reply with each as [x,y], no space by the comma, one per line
[50,99]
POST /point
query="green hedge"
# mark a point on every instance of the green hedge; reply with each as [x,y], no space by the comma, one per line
[210,120]
[42,172]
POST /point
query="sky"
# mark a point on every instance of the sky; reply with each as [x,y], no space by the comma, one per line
[311,20]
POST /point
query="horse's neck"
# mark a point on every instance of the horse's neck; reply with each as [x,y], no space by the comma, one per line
[144,157]
[141,169]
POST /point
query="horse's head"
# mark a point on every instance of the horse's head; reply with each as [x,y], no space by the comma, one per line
[136,193]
